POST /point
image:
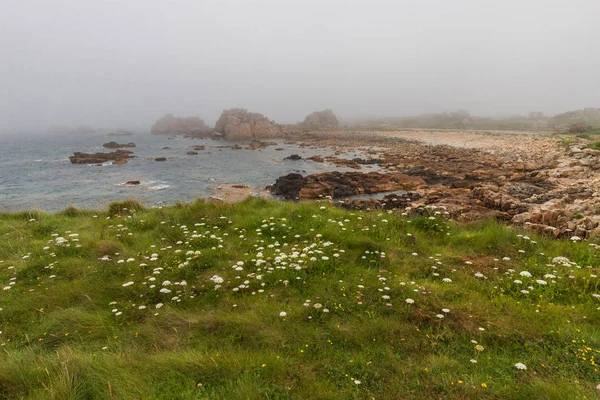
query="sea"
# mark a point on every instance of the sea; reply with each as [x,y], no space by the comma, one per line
[35,171]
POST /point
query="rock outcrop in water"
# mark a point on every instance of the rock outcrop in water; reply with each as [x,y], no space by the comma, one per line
[172,125]
[325,119]
[239,124]
[342,184]
[120,132]
[119,157]
[115,145]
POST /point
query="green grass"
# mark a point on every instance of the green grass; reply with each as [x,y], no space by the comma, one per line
[594,145]
[74,328]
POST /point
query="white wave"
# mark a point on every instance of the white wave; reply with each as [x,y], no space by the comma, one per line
[158,187]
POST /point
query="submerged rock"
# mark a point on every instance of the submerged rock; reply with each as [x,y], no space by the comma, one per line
[293,157]
[257,144]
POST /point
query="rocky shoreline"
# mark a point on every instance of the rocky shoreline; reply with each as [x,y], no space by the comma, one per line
[531,180]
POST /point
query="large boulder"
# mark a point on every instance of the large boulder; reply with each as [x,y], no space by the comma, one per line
[325,119]
[172,125]
[239,124]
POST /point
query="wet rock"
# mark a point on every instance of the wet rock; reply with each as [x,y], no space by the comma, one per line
[342,184]
[160,159]
[132,182]
[293,157]
[236,147]
[318,159]
[98,158]
[192,153]
[288,186]
[258,144]
[115,145]
[199,147]
[342,162]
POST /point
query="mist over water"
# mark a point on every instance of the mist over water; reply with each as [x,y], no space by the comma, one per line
[125,64]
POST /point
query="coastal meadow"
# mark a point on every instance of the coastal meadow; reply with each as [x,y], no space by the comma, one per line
[281,300]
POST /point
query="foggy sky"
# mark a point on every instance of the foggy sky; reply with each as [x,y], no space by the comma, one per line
[123,64]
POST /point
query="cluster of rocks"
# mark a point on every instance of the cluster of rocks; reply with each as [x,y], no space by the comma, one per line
[172,125]
[337,184]
[120,132]
[239,124]
[115,145]
[118,157]
[393,201]
[543,186]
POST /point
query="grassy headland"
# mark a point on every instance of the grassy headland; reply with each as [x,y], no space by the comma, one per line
[273,300]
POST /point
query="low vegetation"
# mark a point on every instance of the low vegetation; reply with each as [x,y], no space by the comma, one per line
[273,300]
[575,122]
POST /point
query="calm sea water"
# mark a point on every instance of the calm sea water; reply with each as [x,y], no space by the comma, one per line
[35,171]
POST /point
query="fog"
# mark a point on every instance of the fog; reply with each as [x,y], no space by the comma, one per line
[123,64]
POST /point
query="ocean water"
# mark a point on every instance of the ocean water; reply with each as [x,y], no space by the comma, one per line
[35,171]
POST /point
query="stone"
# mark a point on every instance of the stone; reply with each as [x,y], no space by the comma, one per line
[98,158]
[325,119]
[132,182]
[192,153]
[115,145]
[258,144]
[172,125]
[293,157]
[342,184]
[160,159]
[239,124]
